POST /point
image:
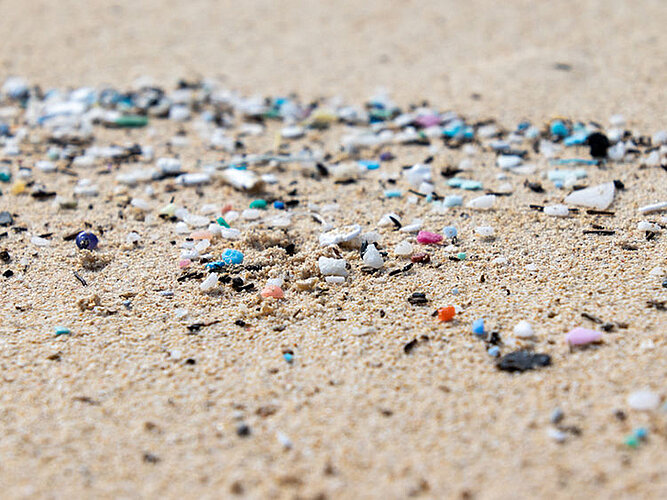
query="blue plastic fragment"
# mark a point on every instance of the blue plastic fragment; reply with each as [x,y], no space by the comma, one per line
[478,327]
[449,231]
[494,351]
[575,161]
[288,356]
[558,128]
[391,193]
[279,205]
[369,164]
[576,139]
[453,200]
[231,256]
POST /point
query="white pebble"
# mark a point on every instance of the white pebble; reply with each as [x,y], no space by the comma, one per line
[643,400]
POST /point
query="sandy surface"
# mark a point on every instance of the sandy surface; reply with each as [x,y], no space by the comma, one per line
[116,410]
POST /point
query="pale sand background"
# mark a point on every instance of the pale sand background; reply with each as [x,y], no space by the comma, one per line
[458,427]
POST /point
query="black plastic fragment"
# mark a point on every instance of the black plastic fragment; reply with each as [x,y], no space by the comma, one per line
[521,361]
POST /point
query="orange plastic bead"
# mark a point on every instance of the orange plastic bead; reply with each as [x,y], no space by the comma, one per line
[446,313]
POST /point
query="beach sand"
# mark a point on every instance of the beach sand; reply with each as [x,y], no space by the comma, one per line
[117,410]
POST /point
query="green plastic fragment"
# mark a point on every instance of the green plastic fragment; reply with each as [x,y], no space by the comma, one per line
[461,255]
[62,330]
[131,121]
[222,222]
[632,441]
[258,203]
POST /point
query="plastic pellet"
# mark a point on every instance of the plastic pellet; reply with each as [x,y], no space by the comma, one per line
[86,241]
[258,204]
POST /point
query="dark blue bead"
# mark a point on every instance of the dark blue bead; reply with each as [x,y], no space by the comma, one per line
[86,241]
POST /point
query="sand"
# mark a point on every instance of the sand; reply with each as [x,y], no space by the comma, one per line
[116,409]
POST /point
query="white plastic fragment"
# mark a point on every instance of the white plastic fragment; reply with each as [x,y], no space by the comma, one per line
[485,231]
[244,180]
[386,220]
[655,207]
[482,202]
[507,162]
[293,132]
[403,249]
[209,283]
[335,279]
[133,237]
[194,179]
[343,234]
[417,174]
[557,210]
[649,226]
[372,257]
[599,197]
[643,400]
[140,204]
[40,242]
[523,330]
[332,267]
[230,233]
[556,434]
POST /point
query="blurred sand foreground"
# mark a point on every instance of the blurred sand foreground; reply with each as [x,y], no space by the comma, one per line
[112,412]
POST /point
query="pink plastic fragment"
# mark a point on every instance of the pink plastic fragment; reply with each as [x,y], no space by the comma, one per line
[582,336]
[427,120]
[184,263]
[272,291]
[428,238]
[202,235]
